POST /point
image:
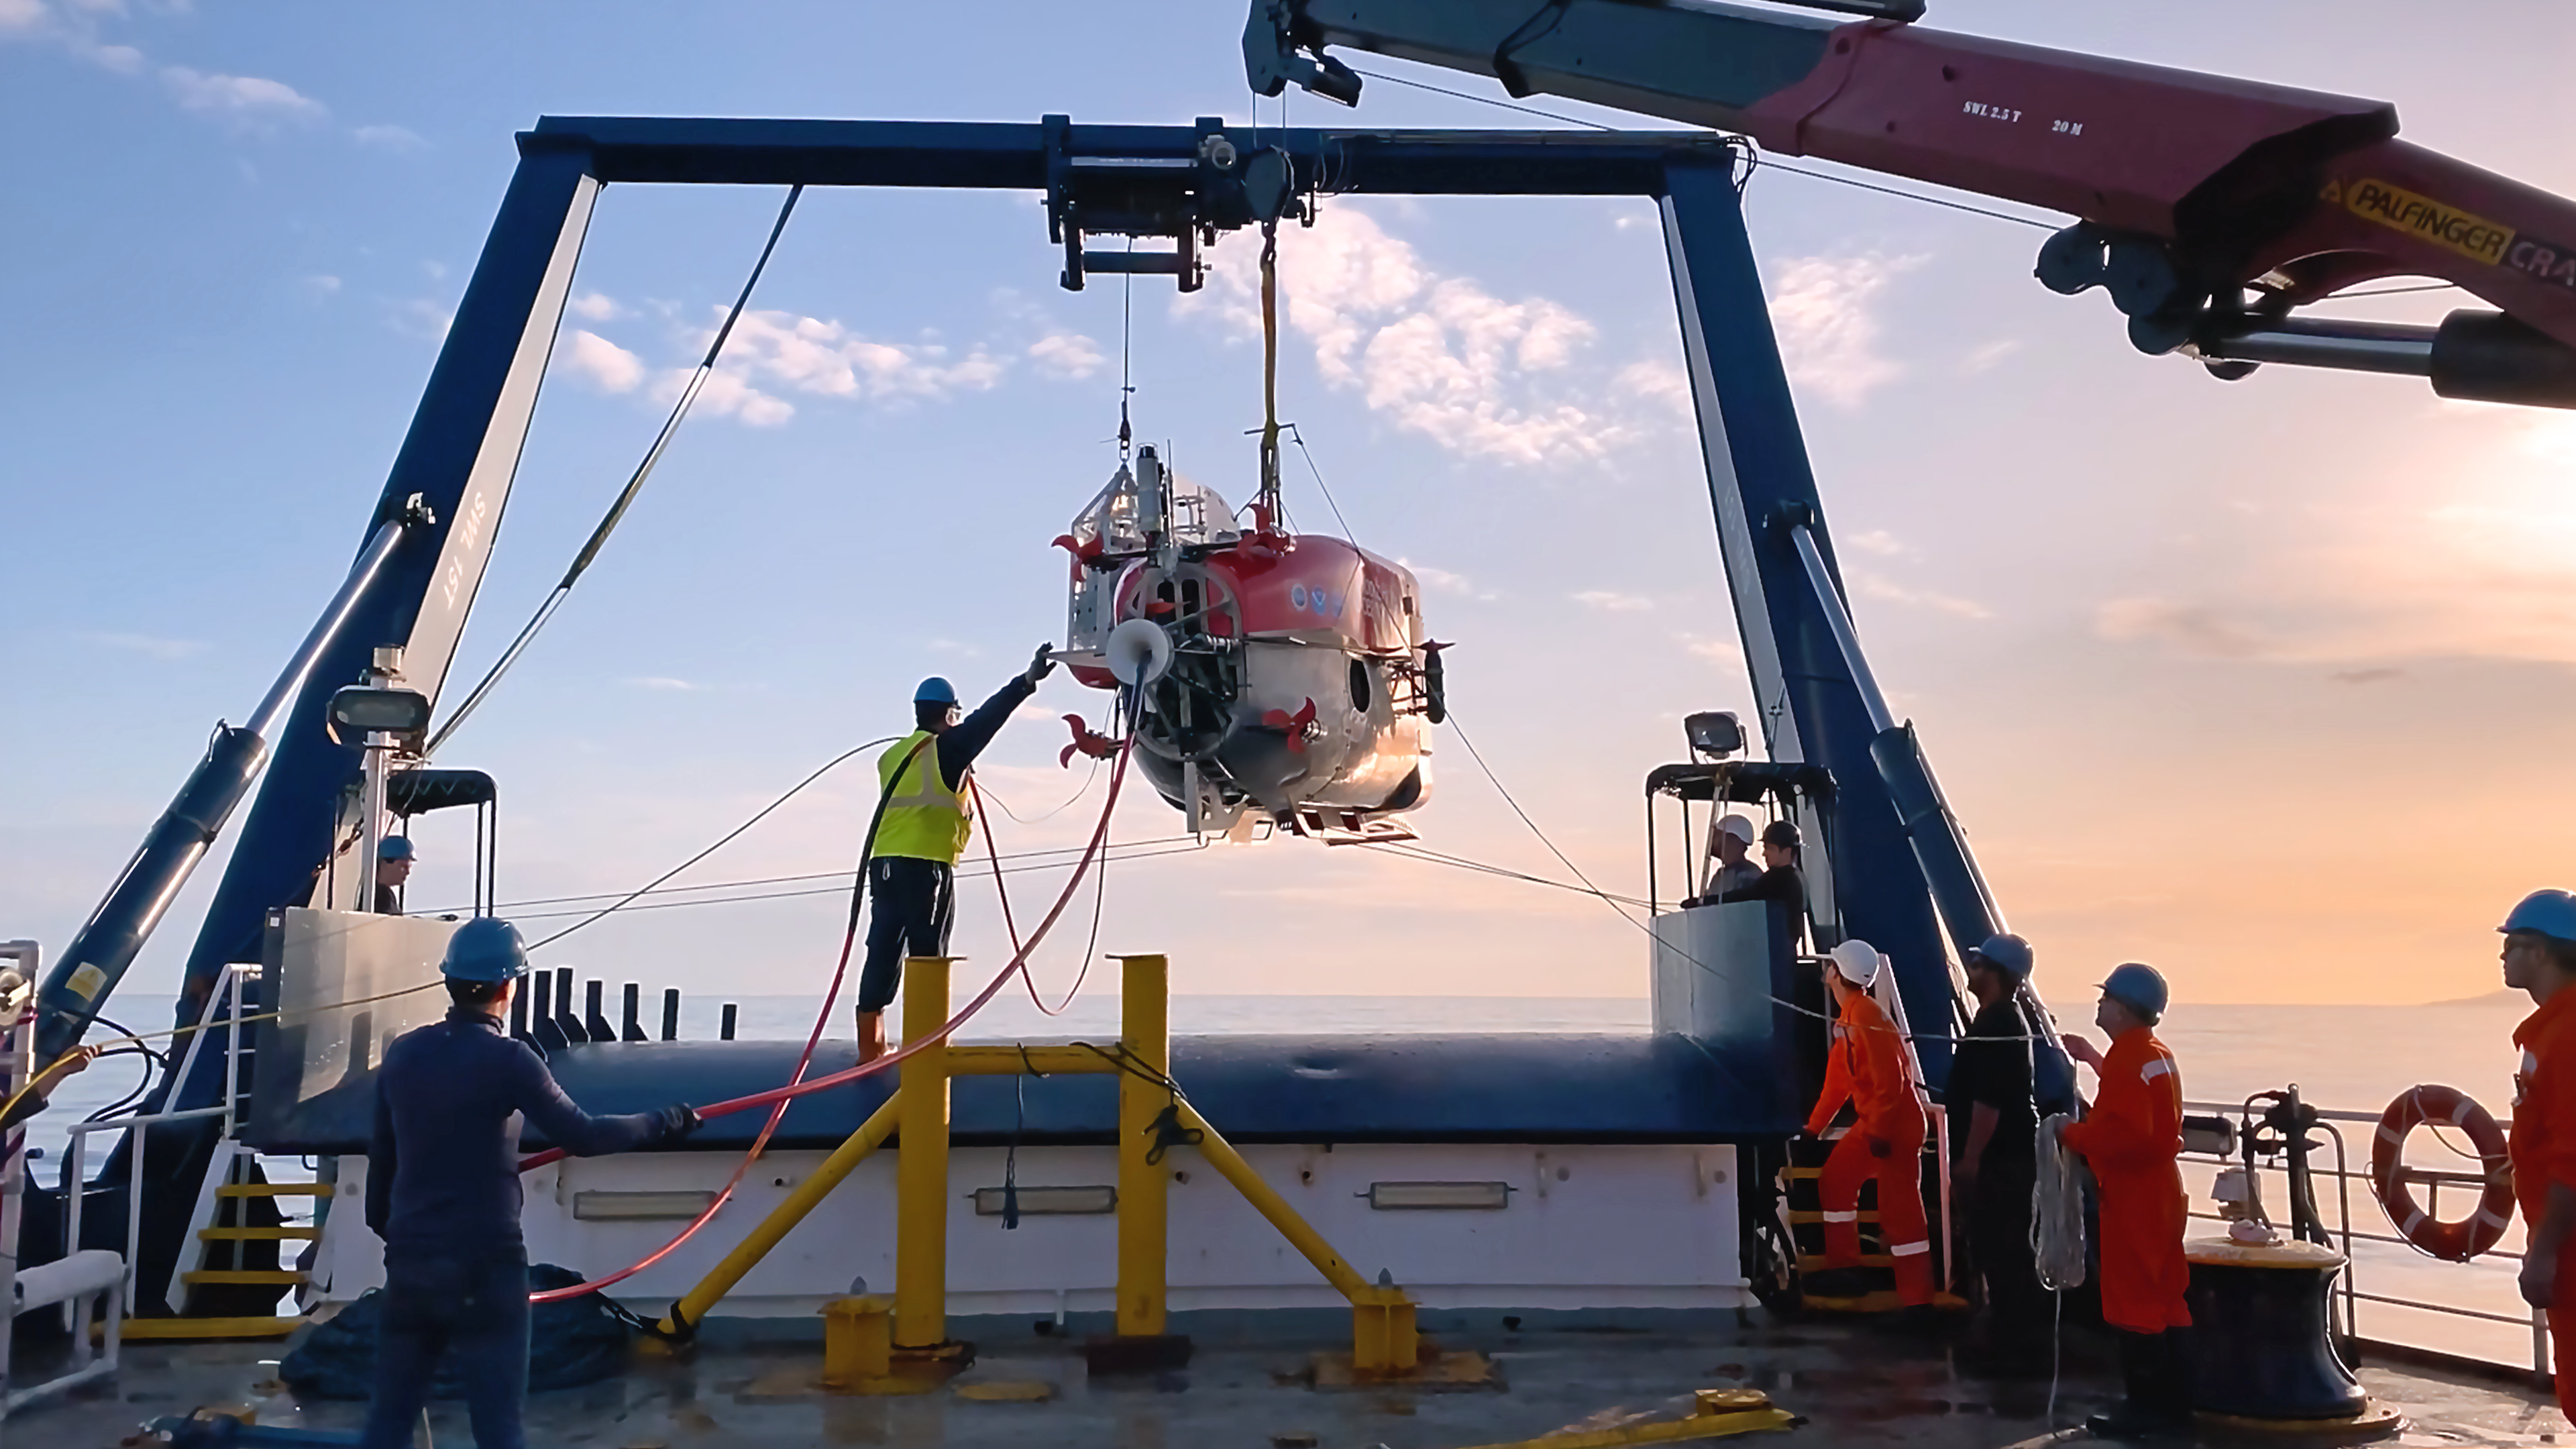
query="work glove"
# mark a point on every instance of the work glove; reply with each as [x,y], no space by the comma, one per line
[1042,665]
[678,1121]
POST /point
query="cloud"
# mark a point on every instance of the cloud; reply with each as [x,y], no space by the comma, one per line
[397,139]
[1446,582]
[2191,629]
[2459,543]
[1881,542]
[1441,356]
[1984,358]
[606,366]
[422,318]
[246,99]
[812,355]
[1716,651]
[1874,587]
[32,20]
[2366,676]
[594,307]
[151,646]
[1663,384]
[1067,355]
[956,648]
[122,59]
[726,395]
[666,684]
[1829,334]
[321,285]
[1613,603]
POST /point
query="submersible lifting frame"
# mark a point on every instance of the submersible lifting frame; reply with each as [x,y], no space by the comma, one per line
[1899,872]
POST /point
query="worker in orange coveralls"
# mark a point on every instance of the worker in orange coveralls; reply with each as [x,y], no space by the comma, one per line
[2132,1139]
[2540,958]
[1872,1068]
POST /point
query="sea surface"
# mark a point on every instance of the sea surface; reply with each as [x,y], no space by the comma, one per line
[2347,1058]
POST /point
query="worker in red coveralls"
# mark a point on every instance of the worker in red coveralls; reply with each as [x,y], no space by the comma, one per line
[1872,1068]
[2132,1139]
[2540,958]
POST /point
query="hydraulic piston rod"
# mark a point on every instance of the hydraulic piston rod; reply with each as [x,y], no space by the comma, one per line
[97,958]
[2476,356]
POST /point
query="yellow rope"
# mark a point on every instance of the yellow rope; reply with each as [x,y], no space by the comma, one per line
[1270,371]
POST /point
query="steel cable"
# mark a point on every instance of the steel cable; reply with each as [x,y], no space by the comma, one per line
[626,496]
[779,1097]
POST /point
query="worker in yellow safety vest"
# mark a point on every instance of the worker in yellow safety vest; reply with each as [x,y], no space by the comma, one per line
[927,820]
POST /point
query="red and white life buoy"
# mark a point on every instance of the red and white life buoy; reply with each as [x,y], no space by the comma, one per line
[2444,1106]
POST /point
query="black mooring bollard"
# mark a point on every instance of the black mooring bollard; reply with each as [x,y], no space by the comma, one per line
[670,1013]
[725,1032]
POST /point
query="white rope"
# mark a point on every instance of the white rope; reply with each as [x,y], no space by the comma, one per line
[2057,1212]
[2057,1236]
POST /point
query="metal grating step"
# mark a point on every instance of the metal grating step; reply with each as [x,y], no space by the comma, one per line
[183,1330]
[256,1235]
[274,1189]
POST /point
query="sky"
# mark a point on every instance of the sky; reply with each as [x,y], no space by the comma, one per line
[2262,682]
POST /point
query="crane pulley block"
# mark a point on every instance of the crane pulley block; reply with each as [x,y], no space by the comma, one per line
[1154,192]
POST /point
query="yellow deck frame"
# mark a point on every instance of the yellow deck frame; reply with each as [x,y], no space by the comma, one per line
[865,1336]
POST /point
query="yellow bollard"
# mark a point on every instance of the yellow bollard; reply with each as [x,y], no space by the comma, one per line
[858,1341]
[1383,1340]
[1144,1191]
[921,1162]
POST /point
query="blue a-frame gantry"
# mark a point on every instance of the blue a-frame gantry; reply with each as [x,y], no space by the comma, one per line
[1899,874]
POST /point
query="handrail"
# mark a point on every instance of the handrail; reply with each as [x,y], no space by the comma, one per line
[74,1182]
[2344,1175]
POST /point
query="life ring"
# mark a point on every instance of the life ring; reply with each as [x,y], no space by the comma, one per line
[2459,1241]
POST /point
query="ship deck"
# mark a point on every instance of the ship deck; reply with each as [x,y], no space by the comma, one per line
[1852,1383]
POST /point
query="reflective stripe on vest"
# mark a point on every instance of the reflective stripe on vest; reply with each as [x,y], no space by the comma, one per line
[924,819]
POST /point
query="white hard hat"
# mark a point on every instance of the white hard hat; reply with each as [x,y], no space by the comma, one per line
[1857,961]
[1737,826]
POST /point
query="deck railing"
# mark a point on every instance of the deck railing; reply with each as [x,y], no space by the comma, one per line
[75,1185]
[2343,1227]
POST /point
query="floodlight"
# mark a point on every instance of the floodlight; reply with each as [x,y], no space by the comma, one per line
[363,709]
[1715,733]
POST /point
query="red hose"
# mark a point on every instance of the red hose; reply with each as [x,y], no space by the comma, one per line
[779,1097]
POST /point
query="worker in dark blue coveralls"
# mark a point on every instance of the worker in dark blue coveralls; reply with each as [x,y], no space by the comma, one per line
[443,1192]
[912,864]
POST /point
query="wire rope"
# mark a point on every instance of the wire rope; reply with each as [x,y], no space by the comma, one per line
[1088,780]
[626,496]
[779,1097]
[721,842]
[1614,902]
[839,877]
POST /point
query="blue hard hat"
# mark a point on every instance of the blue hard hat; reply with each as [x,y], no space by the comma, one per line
[394,847]
[2139,988]
[486,949]
[2008,954]
[935,690]
[2547,913]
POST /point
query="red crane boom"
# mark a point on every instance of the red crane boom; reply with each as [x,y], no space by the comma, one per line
[2209,207]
